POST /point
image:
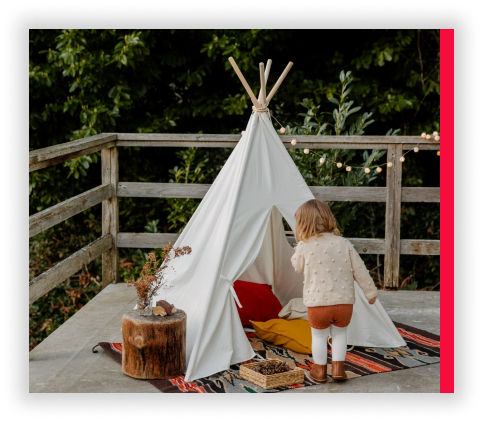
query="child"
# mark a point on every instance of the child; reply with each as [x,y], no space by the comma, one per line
[330,265]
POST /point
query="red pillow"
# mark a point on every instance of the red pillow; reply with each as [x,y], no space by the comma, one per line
[258,302]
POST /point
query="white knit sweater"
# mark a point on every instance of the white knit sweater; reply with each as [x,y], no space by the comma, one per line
[330,265]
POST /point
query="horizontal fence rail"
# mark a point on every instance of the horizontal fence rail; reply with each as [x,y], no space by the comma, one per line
[363,246]
[419,247]
[325,193]
[61,212]
[45,282]
[303,141]
[49,156]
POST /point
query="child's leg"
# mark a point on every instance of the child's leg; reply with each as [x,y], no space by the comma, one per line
[319,345]
[339,342]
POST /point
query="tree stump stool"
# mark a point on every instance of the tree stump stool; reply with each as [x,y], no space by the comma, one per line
[154,347]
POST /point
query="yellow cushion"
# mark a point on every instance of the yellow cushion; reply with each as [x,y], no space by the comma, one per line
[294,334]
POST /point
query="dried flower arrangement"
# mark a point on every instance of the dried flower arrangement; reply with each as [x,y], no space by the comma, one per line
[153,274]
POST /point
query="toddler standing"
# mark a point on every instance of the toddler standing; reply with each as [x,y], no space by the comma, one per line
[330,265]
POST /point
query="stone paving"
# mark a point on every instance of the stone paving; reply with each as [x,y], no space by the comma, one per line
[64,362]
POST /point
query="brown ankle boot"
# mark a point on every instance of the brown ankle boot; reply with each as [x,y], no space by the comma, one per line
[338,371]
[318,373]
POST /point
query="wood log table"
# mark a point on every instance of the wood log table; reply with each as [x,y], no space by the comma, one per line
[154,347]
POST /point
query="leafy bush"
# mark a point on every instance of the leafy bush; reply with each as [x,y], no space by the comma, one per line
[347,120]
[47,249]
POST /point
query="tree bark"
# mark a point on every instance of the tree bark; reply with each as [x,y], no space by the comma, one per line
[154,347]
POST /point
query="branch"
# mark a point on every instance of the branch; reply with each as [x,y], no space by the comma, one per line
[375,268]
[420,103]
[405,282]
[432,70]
[421,62]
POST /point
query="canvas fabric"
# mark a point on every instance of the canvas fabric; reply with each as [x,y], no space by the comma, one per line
[237,233]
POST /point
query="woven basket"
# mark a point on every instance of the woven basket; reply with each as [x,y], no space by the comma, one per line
[294,376]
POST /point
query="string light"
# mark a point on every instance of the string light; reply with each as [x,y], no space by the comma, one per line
[243,132]
[367,170]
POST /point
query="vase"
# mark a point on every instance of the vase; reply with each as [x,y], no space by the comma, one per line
[145,307]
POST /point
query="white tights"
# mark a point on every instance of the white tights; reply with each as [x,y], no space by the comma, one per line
[319,344]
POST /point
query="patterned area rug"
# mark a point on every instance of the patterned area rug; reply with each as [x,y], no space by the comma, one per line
[422,349]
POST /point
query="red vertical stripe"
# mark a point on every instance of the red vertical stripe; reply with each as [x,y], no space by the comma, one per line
[447,210]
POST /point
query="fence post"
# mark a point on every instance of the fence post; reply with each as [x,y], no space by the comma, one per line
[393,217]
[110,215]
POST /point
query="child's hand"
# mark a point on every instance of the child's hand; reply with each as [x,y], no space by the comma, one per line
[372,301]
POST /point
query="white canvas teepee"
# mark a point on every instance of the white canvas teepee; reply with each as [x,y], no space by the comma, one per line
[237,233]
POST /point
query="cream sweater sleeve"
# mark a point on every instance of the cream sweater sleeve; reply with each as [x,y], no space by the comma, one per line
[361,274]
[298,260]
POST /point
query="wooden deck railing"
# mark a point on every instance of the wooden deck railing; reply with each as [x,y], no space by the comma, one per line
[392,246]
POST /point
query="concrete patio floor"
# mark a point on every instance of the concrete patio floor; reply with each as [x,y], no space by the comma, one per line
[64,362]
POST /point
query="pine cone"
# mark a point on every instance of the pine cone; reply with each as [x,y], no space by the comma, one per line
[271,368]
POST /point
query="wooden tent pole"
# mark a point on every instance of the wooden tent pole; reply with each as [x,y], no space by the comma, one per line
[244,82]
[263,86]
[267,71]
[279,82]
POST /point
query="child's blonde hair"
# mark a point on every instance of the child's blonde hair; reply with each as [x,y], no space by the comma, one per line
[313,219]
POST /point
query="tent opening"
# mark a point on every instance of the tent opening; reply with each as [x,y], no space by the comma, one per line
[273,265]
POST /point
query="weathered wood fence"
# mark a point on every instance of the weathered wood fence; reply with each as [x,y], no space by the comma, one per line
[111,189]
